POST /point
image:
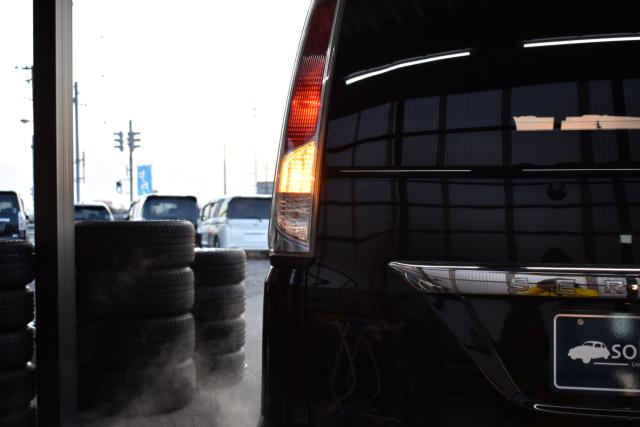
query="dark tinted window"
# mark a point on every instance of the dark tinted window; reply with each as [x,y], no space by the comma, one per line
[475,111]
[249,208]
[8,204]
[91,213]
[159,208]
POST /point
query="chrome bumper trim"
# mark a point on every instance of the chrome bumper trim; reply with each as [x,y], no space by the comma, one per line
[537,281]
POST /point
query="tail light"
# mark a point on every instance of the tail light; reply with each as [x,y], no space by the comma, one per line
[297,171]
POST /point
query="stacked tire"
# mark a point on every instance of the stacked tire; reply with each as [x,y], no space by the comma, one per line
[136,335]
[219,314]
[17,374]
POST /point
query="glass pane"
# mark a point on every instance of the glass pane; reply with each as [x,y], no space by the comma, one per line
[501,105]
[16,122]
[179,106]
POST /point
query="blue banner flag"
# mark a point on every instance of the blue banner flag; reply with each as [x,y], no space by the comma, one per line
[144,180]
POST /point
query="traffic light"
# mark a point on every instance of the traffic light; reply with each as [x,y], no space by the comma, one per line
[119,185]
[119,138]
[132,140]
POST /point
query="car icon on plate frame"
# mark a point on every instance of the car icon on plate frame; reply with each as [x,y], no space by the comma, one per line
[588,351]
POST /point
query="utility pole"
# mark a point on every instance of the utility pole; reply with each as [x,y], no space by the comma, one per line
[255,165]
[255,149]
[224,168]
[30,81]
[131,143]
[131,140]
[77,162]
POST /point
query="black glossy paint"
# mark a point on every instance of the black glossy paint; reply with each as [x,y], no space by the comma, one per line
[426,164]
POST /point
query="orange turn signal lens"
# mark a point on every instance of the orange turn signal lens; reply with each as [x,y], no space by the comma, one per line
[297,170]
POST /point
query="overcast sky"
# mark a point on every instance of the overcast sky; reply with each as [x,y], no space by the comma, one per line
[193,75]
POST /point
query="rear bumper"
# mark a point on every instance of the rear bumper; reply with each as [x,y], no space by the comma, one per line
[437,349]
[284,355]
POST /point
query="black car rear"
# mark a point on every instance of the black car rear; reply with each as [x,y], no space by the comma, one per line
[92,212]
[12,217]
[471,253]
[171,208]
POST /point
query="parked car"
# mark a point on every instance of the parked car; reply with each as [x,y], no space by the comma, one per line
[161,207]
[94,211]
[13,218]
[439,161]
[236,222]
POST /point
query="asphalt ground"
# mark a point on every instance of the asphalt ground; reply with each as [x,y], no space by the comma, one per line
[236,406]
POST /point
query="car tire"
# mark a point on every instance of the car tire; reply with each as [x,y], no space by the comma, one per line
[134,245]
[16,264]
[17,388]
[16,309]
[218,337]
[135,343]
[220,370]
[141,392]
[215,267]
[219,302]
[16,349]
[19,418]
[136,294]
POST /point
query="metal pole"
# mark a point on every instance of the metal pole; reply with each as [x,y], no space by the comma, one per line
[224,168]
[75,103]
[255,167]
[84,172]
[53,193]
[131,148]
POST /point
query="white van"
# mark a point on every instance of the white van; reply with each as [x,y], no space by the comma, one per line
[236,222]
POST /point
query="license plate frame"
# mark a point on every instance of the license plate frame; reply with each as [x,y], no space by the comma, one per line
[596,352]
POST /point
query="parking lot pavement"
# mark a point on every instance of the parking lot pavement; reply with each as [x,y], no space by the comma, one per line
[236,406]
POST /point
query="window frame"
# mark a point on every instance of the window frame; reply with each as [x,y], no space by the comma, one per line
[54,213]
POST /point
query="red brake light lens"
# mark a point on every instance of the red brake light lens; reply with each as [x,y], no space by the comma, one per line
[305,102]
[305,106]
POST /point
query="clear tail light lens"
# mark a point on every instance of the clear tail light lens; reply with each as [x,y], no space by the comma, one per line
[295,189]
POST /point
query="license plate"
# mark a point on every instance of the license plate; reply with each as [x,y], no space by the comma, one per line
[5,220]
[596,352]
[255,237]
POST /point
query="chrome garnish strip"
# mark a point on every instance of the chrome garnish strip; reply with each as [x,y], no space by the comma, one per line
[538,281]
[593,412]
[404,63]
[605,38]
